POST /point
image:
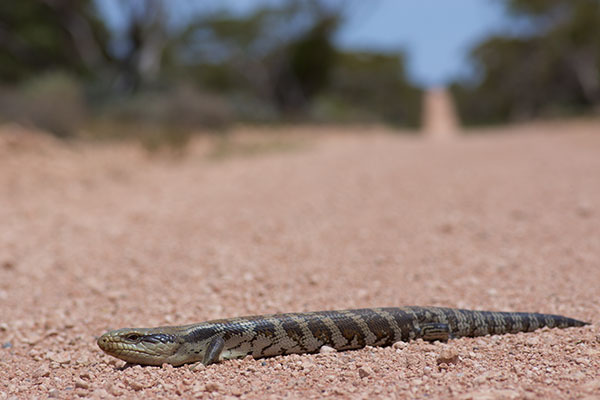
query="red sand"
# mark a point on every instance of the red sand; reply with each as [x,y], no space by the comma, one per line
[100,237]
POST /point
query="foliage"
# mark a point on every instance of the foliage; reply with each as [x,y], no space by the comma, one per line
[159,118]
[285,59]
[373,86]
[53,102]
[170,74]
[281,55]
[38,36]
[553,71]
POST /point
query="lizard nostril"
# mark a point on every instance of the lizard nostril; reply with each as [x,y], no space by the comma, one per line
[102,342]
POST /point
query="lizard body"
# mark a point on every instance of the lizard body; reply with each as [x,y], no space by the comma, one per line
[297,333]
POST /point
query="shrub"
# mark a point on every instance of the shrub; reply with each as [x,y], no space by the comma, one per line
[52,102]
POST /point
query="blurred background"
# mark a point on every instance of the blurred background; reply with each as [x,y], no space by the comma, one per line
[162,70]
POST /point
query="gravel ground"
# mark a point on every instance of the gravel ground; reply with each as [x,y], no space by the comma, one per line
[102,237]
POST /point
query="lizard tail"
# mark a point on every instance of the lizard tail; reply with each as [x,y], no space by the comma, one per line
[472,323]
[480,323]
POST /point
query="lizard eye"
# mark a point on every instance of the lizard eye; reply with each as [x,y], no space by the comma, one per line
[133,337]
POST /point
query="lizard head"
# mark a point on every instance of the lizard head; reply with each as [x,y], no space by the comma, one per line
[175,345]
[140,345]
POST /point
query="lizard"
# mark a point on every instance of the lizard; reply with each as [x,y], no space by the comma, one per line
[297,333]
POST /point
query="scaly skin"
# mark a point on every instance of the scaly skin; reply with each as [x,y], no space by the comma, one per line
[279,334]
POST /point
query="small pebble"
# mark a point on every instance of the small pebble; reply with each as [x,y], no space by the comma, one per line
[8,264]
[327,349]
[197,366]
[85,375]
[400,345]
[112,389]
[135,385]
[42,371]
[447,356]
[581,361]
[60,358]
[198,388]
[365,372]
[79,383]
[212,387]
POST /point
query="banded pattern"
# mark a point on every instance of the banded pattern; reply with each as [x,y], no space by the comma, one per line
[279,334]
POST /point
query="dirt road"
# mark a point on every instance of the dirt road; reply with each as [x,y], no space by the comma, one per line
[96,237]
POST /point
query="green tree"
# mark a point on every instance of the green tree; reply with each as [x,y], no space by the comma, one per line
[373,86]
[283,55]
[305,68]
[37,36]
[552,69]
[286,57]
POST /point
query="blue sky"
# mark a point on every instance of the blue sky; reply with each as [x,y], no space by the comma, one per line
[435,34]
